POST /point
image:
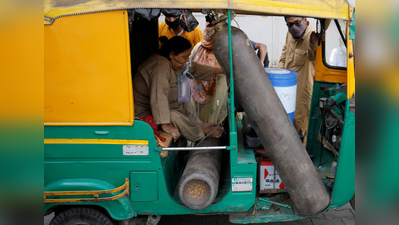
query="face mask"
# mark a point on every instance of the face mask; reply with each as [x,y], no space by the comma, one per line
[297,31]
[173,24]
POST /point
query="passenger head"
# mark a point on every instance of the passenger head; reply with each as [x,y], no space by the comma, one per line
[172,21]
[177,50]
[296,25]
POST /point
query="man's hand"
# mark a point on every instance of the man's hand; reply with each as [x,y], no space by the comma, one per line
[262,52]
[171,130]
[316,37]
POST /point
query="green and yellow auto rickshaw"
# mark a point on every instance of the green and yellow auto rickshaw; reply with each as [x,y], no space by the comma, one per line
[104,166]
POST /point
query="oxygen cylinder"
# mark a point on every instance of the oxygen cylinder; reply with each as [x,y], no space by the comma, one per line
[199,183]
[256,94]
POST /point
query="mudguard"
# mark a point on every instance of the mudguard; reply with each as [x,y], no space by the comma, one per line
[118,209]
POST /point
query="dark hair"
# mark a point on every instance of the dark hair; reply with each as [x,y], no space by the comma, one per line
[286,17]
[176,44]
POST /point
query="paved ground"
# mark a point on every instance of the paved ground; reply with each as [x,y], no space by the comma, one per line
[341,216]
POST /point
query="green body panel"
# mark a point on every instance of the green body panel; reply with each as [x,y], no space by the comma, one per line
[118,209]
[144,186]
[321,155]
[106,162]
[226,201]
[344,183]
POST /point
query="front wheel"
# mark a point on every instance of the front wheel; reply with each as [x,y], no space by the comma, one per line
[81,216]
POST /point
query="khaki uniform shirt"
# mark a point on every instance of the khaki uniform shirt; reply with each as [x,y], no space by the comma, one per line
[300,55]
[155,88]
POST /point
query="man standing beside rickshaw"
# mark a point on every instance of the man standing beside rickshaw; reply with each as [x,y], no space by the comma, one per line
[299,54]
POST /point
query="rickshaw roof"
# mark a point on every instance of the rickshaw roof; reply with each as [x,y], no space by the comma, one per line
[332,9]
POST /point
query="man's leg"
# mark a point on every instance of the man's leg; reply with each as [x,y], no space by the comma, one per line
[187,126]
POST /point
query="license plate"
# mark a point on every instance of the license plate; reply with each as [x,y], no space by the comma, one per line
[135,150]
[241,184]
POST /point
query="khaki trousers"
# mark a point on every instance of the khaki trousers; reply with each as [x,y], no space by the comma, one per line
[187,122]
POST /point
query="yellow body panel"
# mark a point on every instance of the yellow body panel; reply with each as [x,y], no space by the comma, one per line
[326,74]
[96,141]
[351,68]
[339,9]
[87,70]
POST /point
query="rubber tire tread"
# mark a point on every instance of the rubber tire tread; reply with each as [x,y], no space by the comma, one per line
[84,214]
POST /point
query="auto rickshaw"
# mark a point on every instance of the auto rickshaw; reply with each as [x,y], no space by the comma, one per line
[104,166]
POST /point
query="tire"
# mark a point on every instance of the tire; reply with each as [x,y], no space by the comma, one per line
[81,216]
[353,202]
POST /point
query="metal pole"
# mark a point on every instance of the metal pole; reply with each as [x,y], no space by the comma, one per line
[194,148]
[233,132]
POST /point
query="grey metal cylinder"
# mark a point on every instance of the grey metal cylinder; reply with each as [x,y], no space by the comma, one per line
[270,121]
[199,183]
